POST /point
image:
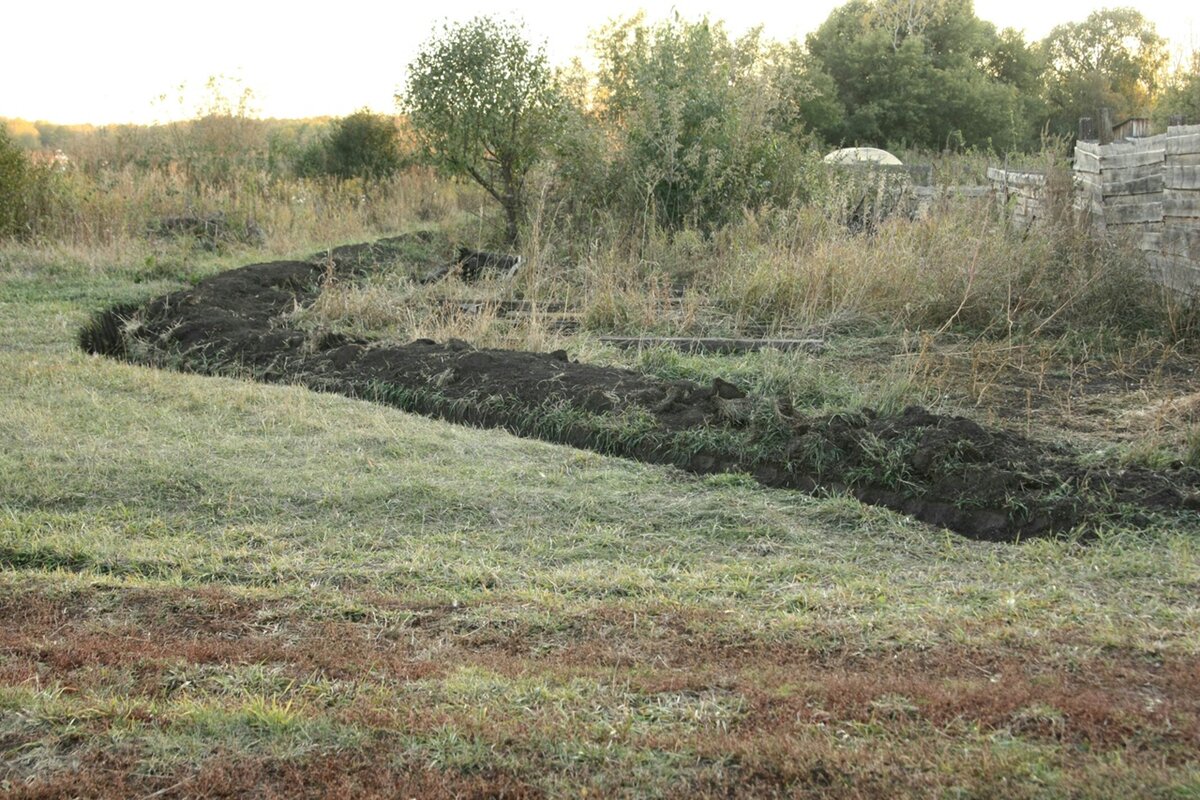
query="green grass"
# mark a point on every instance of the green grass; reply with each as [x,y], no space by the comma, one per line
[200,575]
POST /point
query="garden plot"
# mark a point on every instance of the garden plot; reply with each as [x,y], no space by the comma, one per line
[950,471]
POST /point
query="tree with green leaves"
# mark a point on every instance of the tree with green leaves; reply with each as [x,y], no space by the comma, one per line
[483,103]
[925,72]
[1114,58]
[1181,96]
[806,96]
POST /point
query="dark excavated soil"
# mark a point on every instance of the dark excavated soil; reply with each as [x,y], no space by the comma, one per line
[948,471]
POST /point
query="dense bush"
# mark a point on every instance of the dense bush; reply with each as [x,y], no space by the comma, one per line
[362,145]
[16,182]
[688,127]
[679,129]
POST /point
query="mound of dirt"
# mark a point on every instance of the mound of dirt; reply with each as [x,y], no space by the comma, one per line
[948,471]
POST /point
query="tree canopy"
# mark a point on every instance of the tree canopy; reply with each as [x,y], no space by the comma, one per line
[1114,58]
[924,73]
[1181,95]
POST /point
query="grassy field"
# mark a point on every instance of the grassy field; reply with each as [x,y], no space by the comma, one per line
[218,588]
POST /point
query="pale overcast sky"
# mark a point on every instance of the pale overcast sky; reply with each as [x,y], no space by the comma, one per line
[106,62]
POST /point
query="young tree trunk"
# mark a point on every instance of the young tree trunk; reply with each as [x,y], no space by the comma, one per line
[512,206]
[512,218]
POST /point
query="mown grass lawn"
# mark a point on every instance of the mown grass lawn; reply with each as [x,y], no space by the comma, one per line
[211,587]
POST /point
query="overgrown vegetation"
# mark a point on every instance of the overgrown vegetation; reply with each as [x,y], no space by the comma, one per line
[679,126]
[214,586]
[20,187]
[222,586]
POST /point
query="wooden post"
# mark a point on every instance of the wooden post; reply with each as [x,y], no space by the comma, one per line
[1105,125]
[702,345]
[1087,129]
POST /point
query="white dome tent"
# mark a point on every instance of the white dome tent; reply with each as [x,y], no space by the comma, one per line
[863,155]
[876,184]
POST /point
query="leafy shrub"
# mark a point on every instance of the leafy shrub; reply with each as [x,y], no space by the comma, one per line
[687,105]
[16,180]
[684,126]
[362,145]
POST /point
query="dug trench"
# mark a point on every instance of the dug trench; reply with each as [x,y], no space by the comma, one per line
[948,471]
